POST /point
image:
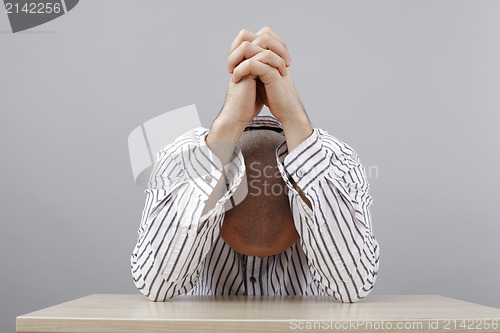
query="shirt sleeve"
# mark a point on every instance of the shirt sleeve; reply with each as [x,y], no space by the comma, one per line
[335,232]
[173,236]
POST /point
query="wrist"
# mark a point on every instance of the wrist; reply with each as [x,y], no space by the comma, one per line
[225,129]
[290,113]
[223,136]
[296,130]
[294,119]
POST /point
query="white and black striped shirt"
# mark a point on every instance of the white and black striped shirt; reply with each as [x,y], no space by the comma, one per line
[181,252]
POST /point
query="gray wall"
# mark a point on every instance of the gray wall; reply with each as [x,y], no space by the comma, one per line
[413,86]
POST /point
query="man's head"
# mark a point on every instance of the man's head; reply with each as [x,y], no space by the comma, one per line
[262,224]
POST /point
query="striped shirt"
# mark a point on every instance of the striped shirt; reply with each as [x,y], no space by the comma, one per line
[179,251]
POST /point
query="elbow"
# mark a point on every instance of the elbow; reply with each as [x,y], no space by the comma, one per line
[144,284]
[366,288]
[354,290]
[147,278]
[153,293]
[353,296]
[153,298]
[158,290]
[361,282]
[346,297]
[362,292]
[150,296]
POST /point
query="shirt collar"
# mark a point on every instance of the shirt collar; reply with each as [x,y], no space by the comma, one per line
[265,122]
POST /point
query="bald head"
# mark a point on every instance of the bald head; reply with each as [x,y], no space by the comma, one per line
[262,224]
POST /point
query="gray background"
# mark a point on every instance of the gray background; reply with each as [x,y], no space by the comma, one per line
[412,86]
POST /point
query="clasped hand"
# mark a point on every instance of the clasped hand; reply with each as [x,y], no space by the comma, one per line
[259,65]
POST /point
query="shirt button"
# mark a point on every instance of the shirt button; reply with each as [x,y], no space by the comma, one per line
[208,178]
[252,279]
[191,232]
[299,173]
[322,228]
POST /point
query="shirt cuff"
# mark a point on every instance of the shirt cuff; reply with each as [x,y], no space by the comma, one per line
[305,164]
[203,169]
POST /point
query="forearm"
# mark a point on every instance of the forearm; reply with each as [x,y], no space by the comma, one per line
[169,234]
[173,237]
[336,232]
[342,252]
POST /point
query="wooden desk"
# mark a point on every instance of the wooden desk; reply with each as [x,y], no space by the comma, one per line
[135,313]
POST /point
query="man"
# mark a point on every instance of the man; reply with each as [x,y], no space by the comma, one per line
[304,226]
